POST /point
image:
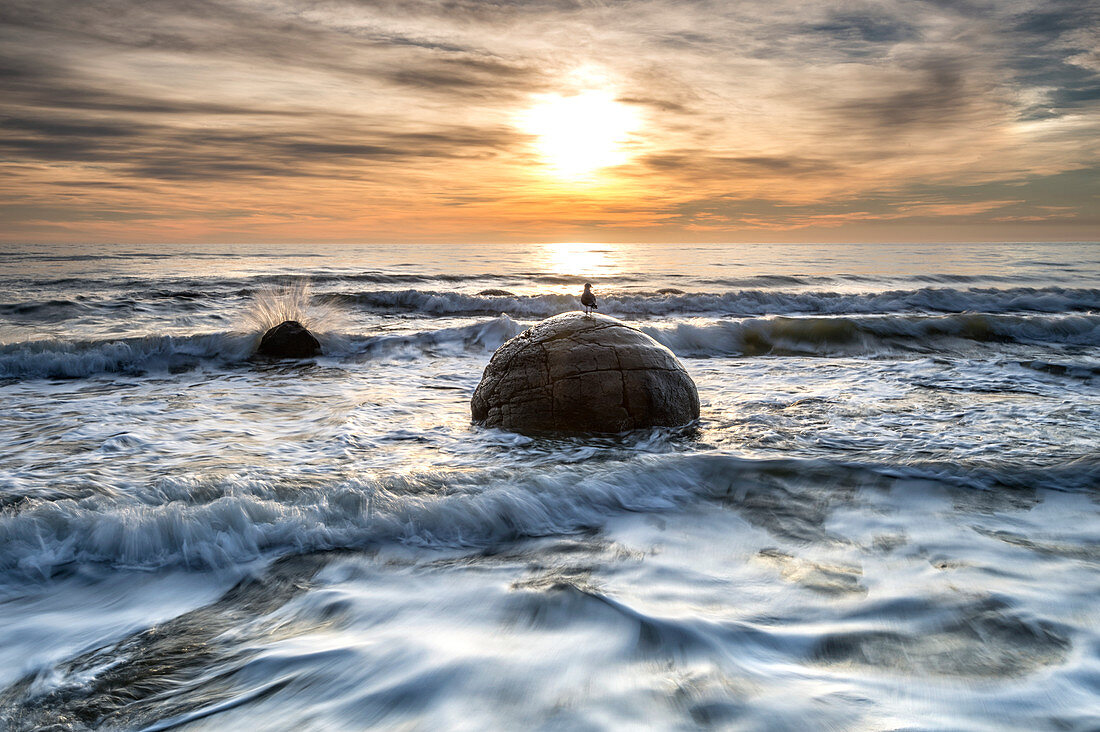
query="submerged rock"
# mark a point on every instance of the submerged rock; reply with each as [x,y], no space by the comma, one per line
[289,339]
[584,373]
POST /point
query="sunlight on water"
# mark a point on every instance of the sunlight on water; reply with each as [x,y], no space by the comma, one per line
[579,258]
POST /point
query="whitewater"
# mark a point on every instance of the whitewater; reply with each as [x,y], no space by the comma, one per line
[887,516]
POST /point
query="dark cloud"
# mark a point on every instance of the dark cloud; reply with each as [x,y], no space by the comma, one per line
[465,76]
[168,152]
[1055,19]
[663,105]
[207,166]
[55,128]
[84,184]
[33,86]
[940,96]
[852,27]
[1045,43]
[700,164]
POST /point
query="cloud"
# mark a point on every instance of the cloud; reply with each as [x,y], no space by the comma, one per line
[701,165]
[1033,200]
[938,95]
[873,28]
[466,75]
[166,151]
[756,116]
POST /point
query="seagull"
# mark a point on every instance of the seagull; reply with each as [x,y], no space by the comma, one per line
[588,299]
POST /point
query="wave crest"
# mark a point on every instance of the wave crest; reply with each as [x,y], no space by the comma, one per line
[868,336]
[738,303]
[773,336]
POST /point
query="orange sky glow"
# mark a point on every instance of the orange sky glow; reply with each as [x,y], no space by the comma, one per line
[227,120]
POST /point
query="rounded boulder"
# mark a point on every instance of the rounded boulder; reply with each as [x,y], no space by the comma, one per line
[289,339]
[577,373]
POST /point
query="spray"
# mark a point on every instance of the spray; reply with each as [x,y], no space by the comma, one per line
[294,301]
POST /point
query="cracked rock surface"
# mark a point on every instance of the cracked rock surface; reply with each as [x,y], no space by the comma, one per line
[584,373]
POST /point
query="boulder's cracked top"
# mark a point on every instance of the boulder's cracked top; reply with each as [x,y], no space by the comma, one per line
[578,373]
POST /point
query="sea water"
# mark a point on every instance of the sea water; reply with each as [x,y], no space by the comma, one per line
[886,518]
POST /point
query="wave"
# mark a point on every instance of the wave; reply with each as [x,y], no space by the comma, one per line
[194,297]
[773,336]
[138,286]
[741,302]
[76,359]
[1072,370]
[790,336]
[139,355]
[942,278]
[488,335]
[322,278]
[873,335]
[213,522]
[52,310]
[149,300]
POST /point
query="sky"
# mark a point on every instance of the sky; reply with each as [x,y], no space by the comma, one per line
[552,120]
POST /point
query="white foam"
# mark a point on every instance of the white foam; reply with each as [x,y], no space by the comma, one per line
[53,358]
[223,521]
[219,522]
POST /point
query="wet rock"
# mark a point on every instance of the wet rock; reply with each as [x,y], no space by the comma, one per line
[289,339]
[497,293]
[576,373]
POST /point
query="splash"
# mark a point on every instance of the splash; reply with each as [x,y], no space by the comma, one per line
[293,301]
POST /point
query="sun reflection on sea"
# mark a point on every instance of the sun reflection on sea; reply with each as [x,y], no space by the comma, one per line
[580,258]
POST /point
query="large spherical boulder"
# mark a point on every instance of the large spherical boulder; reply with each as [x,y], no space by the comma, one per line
[289,339]
[577,373]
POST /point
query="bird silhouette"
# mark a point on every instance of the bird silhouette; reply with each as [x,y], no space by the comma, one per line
[588,299]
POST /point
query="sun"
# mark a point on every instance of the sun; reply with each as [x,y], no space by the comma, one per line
[581,133]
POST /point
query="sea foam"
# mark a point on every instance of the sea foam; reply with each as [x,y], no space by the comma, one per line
[213,522]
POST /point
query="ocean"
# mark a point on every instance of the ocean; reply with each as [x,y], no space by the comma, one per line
[886,518]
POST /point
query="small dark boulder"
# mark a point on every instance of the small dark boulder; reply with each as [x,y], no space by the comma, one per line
[497,293]
[577,373]
[289,339]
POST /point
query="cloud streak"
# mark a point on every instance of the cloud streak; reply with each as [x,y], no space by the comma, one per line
[370,120]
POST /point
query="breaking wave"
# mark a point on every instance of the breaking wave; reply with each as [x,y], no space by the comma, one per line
[213,522]
[62,359]
[775,336]
[201,297]
[741,302]
[820,336]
